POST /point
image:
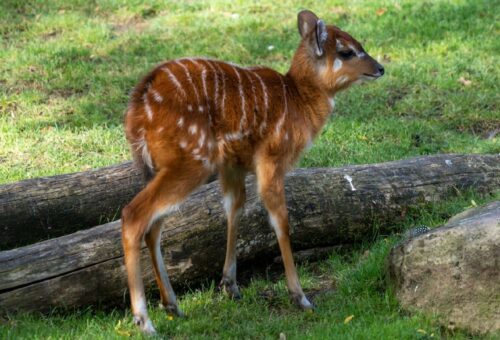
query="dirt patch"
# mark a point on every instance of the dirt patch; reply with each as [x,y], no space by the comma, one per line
[135,24]
[486,128]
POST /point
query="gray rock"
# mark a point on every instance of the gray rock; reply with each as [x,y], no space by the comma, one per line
[453,271]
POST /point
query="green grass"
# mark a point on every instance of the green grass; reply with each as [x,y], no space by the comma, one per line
[66,70]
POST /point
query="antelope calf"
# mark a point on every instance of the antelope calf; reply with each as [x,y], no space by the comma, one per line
[192,117]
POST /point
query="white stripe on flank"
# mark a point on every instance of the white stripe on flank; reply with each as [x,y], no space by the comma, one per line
[204,81]
[264,90]
[263,125]
[174,80]
[281,121]
[190,79]
[147,108]
[249,77]
[216,78]
[242,96]
[223,89]
[156,96]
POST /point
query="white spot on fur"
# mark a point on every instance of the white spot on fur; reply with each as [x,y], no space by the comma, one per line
[349,179]
[233,136]
[193,129]
[183,144]
[201,141]
[180,122]
[160,129]
[200,108]
[337,64]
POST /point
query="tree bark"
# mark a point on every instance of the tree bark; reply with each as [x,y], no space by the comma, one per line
[327,207]
[38,209]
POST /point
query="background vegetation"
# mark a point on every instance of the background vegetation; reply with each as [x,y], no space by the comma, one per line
[66,70]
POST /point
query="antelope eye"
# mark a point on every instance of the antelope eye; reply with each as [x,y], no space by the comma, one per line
[346,54]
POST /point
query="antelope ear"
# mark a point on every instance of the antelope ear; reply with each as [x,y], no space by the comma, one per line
[308,22]
[321,36]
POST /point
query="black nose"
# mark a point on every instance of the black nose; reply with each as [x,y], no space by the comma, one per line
[380,69]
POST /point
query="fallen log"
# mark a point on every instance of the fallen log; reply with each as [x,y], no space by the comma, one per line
[40,208]
[326,206]
[46,204]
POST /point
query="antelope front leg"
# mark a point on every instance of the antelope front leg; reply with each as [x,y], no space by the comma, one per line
[272,191]
[233,186]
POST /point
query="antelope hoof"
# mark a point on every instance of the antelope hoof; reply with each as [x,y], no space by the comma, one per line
[302,301]
[172,309]
[230,288]
[144,324]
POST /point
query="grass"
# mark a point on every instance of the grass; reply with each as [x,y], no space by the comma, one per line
[66,70]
